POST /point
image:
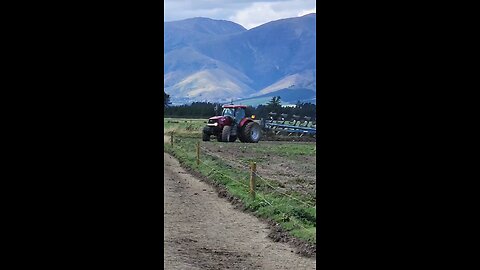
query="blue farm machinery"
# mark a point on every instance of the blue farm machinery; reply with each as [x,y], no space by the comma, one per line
[280,126]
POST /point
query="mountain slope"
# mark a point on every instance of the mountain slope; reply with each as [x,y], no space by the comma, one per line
[217,60]
[210,84]
[268,52]
[182,33]
[305,79]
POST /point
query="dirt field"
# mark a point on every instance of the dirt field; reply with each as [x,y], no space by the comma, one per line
[203,231]
[295,172]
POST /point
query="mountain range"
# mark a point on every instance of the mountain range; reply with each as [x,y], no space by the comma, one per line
[220,61]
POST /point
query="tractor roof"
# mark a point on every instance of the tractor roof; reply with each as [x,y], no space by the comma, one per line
[235,106]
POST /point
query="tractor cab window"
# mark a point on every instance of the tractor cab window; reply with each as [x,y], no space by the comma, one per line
[240,114]
[228,112]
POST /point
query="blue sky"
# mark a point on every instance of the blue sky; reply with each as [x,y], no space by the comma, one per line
[247,13]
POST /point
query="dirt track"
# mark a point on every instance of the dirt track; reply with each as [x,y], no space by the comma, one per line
[203,231]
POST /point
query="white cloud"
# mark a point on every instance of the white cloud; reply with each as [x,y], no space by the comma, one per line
[257,14]
[262,12]
[308,11]
[248,13]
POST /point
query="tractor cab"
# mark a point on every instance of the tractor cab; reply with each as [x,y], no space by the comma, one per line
[228,112]
[236,113]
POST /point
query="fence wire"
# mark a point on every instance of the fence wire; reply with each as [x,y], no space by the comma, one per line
[275,189]
[260,196]
[243,184]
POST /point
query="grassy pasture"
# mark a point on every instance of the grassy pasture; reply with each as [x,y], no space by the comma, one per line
[293,209]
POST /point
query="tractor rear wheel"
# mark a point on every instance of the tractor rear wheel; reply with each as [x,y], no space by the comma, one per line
[252,132]
[241,134]
[226,134]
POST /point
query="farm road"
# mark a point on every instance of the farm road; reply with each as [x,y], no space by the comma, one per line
[204,231]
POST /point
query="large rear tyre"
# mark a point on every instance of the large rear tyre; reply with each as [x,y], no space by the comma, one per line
[240,134]
[252,132]
[241,138]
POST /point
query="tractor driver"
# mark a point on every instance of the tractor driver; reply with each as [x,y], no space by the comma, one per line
[239,115]
[228,112]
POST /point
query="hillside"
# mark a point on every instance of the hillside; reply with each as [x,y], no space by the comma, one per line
[213,60]
[183,33]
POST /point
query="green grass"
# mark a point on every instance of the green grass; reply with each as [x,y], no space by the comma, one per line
[287,149]
[184,127]
[295,217]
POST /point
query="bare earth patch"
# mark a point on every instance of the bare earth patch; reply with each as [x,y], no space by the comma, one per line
[293,173]
[204,231]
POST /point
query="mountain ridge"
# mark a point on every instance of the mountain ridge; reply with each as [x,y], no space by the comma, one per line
[217,60]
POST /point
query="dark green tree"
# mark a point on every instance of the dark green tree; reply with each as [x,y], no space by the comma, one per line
[274,105]
[275,102]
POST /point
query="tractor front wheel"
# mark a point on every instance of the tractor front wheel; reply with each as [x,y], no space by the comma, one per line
[226,134]
[205,135]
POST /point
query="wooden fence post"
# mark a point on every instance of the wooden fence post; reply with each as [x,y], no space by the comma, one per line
[171,138]
[253,171]
[198,153]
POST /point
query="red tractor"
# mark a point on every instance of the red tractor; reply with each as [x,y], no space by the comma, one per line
[232,124]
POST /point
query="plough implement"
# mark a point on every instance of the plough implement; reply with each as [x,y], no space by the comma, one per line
[296,126]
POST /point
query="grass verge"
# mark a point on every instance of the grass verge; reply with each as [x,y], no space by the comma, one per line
[296,218]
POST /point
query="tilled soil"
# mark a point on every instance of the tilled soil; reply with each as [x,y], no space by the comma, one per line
[204,231]
[294,174]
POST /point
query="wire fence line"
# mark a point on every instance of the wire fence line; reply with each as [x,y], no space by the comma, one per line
[235,180]
[259,195]
[208,152]
[284,193]
[219,172]
[275,189]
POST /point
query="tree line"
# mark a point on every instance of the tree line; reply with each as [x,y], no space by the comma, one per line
[208,109]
